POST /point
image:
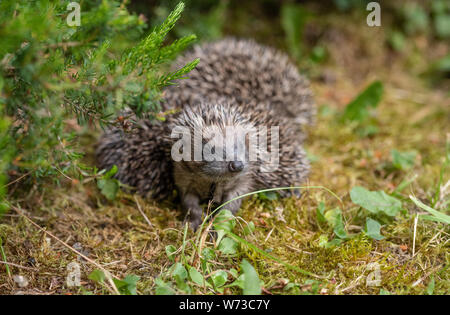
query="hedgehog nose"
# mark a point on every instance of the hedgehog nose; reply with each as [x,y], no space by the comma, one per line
[236,166]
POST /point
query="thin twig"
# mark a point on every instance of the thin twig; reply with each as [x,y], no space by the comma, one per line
[142,212]
[62,173]
[353,284]
[268,235]
[18,266]
[17,179]
[418,281]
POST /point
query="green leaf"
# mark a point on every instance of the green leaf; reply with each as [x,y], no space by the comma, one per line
[358,109]
[335,220]
[180,275]
[339,228]
[219,278]
[163,288]
[108,187]
[239,282]
[403,160]
[268,195]
[208,253]
[373,229]
[111,172]
[196,276]
[442,25]
[320,213]
[442,65]
[314,284]
[439,6]
[331,215]
[415,18]
[375,201]
[397,40]
[170,252]
[4,206]
[97,276]
[367,130]
[127,286]
[251,285]
[228,246]
[178,270]
[318,54]
[384,292]
[85,292]
[233,272]
[225,221]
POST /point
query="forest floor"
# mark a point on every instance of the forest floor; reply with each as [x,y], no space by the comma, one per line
[133,236]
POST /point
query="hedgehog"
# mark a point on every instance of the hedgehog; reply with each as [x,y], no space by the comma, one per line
[248,72]
[231,136]
[160,157]
[238,128]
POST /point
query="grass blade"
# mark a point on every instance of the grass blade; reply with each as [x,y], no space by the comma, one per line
[438,216]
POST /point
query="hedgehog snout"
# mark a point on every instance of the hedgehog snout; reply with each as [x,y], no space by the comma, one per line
[235,166]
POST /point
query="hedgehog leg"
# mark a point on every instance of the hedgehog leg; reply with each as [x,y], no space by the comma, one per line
[191,204]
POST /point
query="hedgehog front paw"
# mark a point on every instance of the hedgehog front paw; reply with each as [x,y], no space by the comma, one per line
[193,209]
[195,222]
[194,217]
